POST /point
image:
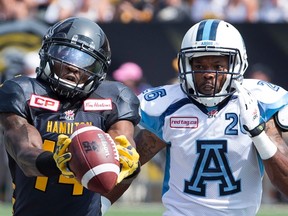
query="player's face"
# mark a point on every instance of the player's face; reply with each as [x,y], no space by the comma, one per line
[71,64]
[208,80]
[70,73]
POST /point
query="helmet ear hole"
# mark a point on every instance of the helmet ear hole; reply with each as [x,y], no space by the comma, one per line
[43,62]
[43,56]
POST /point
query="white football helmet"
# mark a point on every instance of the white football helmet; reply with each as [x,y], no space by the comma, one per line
[212,38]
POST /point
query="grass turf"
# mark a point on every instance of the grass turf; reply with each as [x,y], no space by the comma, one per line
[155,209]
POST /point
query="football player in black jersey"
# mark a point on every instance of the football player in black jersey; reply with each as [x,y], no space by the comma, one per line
[37,116]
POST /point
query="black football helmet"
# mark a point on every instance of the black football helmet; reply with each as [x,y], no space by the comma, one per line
[79,43]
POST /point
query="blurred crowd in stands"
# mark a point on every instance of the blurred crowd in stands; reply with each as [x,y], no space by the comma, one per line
[145,11]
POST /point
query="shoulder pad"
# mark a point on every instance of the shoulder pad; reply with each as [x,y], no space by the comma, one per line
[165,95]
[281,118]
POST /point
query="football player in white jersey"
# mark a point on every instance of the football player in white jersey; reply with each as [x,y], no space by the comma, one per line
[220,131]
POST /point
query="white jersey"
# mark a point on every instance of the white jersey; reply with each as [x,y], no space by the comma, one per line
[212,167]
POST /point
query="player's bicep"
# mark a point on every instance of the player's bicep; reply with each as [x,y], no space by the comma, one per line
[148,145]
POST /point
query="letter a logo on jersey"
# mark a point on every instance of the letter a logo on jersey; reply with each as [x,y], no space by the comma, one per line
[212,165]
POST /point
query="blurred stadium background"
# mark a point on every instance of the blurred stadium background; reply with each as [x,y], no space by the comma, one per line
[154,47]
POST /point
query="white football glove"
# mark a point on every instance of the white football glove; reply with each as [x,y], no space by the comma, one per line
[249,111]
[253,123]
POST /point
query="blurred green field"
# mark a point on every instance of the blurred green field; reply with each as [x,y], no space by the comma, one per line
[157,209]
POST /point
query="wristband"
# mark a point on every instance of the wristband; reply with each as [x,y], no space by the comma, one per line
[105,205]
[257,130]
[265,147]
[46,164]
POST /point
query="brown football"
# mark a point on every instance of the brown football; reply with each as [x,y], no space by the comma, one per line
[95,159]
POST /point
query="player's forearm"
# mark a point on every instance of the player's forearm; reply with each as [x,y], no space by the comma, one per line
[108,199]
[148,145]
[118,190]
[24,144]
[26,160]
[277,170]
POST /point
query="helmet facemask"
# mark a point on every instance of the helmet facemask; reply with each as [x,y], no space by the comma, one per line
[236,57]
[75,56]
[90,71]
[187,76]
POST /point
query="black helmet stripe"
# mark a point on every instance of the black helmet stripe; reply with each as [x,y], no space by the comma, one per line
[207,30]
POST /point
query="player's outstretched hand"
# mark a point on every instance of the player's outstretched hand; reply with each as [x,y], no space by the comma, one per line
[251,120]
[129,158]
[249,111]
[62,156]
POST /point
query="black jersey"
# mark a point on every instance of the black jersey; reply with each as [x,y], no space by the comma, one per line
[35,101]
